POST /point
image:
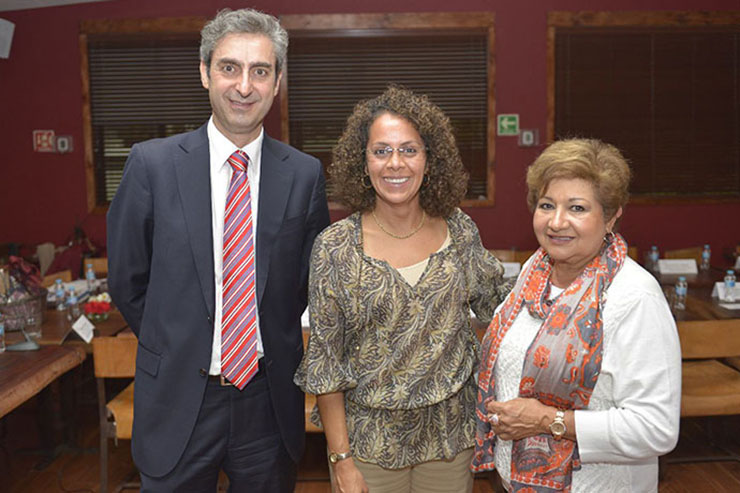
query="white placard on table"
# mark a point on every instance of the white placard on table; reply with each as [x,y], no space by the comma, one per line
[511,269]
[677,266]
[718,291]
[730,306]
[737,263]
[84,328]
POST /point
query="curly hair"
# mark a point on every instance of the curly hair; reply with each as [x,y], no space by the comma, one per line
[597,162]
[447,178]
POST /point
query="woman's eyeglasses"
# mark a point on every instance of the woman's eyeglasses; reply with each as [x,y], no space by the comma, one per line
[407,152]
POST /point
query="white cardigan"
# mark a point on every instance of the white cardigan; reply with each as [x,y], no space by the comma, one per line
[634,412]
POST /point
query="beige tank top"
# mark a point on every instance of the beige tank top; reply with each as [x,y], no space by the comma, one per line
[412,273]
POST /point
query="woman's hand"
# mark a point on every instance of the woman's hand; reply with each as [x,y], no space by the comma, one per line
[347,478]
[519,418]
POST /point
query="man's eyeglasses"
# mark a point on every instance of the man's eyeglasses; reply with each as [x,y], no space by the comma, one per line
[384,153]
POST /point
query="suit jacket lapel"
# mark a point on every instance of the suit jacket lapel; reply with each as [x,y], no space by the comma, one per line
[192,170]
[275,183]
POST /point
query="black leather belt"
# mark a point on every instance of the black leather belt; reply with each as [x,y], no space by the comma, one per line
[220,379]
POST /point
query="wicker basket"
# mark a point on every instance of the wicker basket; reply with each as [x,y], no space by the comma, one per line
[29,312]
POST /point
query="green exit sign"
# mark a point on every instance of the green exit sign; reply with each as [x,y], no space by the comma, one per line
[508,124]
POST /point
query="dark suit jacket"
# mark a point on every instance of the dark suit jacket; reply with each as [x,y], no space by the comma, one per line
[161,278]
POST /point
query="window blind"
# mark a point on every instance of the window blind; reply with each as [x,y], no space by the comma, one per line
[140,88]
[668,97]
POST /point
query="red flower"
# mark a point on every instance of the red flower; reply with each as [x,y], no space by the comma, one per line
[96,307]
[558,319]
[526,385]
[542,357]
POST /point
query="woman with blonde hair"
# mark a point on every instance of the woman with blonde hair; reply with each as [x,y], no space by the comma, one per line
[580,378]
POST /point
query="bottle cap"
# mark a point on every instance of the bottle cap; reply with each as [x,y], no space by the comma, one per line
[706,245]
[731,272]
[681,278]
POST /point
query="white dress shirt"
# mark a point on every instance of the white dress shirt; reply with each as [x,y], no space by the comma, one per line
[634,411]
[220,148]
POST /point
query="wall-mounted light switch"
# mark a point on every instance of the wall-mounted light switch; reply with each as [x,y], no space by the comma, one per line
[64,143]
[529,138]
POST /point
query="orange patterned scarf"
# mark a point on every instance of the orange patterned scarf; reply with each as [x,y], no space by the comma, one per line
[560,368]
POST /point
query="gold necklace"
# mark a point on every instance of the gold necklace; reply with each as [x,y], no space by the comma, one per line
[401,237]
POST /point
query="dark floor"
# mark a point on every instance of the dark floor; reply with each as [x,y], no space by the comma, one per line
[25,468]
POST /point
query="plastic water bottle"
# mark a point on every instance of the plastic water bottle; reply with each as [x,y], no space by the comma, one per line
[59,294]
[730,286]
[73,306]
[706,256]
[682,287]
[2,336]
[654,256]
[90,276]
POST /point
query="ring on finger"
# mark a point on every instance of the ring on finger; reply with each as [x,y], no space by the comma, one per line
[494,419]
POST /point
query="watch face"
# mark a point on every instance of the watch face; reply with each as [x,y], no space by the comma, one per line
[557,428]
[335,457]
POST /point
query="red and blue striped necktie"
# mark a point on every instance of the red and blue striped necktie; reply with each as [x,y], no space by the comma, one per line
[239,311]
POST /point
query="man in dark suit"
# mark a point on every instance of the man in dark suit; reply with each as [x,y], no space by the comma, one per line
[201,404]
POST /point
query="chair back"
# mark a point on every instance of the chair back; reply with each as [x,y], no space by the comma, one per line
[693,252]
[633,253]
[99,265]
[48,281]
[114,357]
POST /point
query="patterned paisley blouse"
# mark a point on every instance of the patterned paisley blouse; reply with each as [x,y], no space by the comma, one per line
[403,355]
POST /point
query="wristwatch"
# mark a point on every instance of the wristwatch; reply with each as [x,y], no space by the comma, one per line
[335,457]
[557,427]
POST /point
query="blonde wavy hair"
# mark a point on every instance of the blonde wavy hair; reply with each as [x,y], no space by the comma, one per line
[592,160]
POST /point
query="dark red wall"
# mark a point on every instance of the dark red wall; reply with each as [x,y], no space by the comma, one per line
[43,195]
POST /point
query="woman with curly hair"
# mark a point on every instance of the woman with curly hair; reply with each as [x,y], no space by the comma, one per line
[392,353]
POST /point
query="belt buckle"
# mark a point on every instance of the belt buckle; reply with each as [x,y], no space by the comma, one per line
[224,382]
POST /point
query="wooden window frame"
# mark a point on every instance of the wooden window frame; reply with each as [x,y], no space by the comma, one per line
[159,26]
[347,23]
[557,19]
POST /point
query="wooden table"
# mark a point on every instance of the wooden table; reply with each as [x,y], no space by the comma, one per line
[25,374]
[700,305]
[56,329]
[702,279]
